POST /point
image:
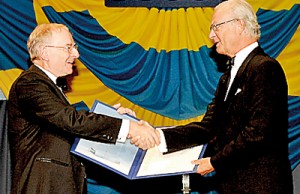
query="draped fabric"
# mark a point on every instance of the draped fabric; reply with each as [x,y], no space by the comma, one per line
[294,131]
[158,62]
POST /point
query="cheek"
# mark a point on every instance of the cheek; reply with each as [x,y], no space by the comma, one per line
[60,62]
[226,42]
[221,45]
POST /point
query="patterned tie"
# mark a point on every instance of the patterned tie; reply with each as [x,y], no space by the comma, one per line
[230,62]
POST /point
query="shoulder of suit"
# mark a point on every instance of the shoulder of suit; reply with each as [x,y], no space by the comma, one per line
[33,74]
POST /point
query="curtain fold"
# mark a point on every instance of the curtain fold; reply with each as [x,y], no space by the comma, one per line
[294,131]
[176,82]
[158,62]
[183,87]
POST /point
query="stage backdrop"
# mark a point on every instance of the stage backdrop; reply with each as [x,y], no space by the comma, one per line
[157,61]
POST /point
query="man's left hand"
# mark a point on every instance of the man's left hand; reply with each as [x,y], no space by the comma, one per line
[204,166]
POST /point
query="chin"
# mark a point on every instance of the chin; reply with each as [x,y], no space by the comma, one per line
[220,51]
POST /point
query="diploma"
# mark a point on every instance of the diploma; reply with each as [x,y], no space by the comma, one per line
[131,162]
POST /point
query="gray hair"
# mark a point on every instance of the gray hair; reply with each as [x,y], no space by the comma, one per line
[40,36]
[244,11]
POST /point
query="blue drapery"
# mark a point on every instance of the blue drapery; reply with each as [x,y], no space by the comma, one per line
[177,83]
[153,80]
[277,29]
[294,131]
[14,32]
[173,84]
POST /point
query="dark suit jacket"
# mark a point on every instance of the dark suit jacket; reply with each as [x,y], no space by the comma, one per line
[42,128]
[247,134]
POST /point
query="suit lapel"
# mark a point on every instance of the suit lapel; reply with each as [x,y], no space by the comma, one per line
[61,95]
[221,89]
[239,76]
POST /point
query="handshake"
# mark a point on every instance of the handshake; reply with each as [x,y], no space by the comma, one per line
[141,133]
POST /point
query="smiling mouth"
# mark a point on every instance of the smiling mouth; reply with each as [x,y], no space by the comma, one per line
[71,62]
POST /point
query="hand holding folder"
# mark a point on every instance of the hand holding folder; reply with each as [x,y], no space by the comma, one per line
[130,161]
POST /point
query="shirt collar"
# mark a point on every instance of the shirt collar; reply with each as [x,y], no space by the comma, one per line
[49,74]
[242,54]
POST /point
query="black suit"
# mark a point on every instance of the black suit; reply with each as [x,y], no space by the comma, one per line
[42,127]
[246,134]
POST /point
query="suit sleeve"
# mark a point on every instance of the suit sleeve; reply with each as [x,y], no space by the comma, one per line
[197,133]
[41,100]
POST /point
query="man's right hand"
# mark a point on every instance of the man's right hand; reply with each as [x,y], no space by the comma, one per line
[143,135]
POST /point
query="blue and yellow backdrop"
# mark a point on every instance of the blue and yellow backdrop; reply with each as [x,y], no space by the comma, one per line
[156,61]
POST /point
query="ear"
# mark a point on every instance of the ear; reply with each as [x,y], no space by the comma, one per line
[241,24]
[44,54]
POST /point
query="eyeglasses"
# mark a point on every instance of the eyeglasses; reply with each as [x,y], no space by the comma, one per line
[215,27]
[68,48]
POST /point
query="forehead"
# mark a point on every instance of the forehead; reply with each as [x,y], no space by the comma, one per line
[61,37]
[221,13]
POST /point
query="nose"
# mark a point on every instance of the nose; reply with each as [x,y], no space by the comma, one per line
[212,34]
[75,53]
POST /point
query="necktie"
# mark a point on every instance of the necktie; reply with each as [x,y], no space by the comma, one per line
[229,64]
[62,83]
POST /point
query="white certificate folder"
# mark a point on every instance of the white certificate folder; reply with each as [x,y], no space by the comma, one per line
[130,161]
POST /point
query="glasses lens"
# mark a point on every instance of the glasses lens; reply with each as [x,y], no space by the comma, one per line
[70,48]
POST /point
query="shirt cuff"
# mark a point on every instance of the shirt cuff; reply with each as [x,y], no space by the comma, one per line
[162,147]
[124,130]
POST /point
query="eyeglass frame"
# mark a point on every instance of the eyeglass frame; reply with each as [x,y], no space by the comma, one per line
[215,27]
[67,48]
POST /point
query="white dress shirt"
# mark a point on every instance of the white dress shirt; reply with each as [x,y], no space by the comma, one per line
[238,60]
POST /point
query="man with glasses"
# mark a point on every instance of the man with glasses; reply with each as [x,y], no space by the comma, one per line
[246,124]
[43,125]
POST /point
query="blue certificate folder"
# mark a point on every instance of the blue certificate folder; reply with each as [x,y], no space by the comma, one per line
[130,161]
